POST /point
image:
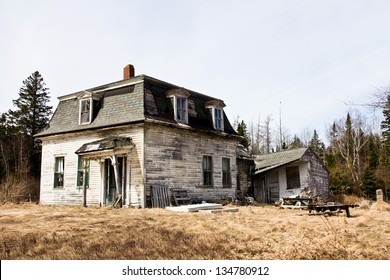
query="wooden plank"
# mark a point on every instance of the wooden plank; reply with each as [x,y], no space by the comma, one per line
[160,196]
[195,207]
[214,211]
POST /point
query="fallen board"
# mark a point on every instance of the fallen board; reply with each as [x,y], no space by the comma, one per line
[214,211]
[195,207]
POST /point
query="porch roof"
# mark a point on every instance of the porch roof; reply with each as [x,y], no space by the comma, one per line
[109,144]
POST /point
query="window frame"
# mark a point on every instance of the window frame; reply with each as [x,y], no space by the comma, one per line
[207,171]
[80,173]
[59,172]
[293,179]
[181,114]
[226,173]
[216,110]
[218,120]
[83,112]
[177,95]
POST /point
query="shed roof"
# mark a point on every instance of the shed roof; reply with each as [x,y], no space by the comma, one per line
[274,160]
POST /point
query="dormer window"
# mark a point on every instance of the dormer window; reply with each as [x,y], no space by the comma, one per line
[218,119]
[85,111]
[180,104]
[89,106]
[181,110]
[216,110]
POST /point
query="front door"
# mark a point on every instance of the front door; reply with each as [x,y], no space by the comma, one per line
[111,190]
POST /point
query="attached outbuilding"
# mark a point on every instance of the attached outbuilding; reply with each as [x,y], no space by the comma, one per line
[289,174]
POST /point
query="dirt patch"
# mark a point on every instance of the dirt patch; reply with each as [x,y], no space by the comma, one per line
[31,231]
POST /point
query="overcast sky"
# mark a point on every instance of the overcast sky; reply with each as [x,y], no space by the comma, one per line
[305,57]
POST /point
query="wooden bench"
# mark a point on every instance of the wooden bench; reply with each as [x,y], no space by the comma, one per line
[180,196]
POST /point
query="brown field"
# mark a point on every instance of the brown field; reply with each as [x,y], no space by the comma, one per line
[30,231]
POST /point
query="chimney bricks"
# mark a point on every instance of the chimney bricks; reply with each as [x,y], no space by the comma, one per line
[128,71]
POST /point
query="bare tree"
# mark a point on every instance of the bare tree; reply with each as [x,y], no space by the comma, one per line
[348,137]
[266,135]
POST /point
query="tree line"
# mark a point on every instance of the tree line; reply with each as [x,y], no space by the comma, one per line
[20,152]
[358,158]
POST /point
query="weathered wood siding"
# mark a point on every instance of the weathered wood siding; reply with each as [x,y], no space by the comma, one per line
[318,180]
[313,177]
[173,158]
[303,177]
[65,145]
[244,180]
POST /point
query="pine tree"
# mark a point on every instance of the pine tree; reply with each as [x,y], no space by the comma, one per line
[296,143]
[242,131]
[317,145]
[31,115]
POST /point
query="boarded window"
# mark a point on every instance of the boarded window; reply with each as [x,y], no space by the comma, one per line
[207,167]
[80,173]
[226,174]
[292,174]
[59,172]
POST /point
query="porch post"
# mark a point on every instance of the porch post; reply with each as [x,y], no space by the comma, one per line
[128,179]
[115,163]
[85,169]
[102,182]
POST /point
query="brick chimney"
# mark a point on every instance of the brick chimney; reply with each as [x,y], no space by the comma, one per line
[128,71]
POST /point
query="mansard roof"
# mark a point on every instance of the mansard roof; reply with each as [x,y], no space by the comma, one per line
[137,99]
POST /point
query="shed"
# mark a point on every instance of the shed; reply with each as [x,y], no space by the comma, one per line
[288,174]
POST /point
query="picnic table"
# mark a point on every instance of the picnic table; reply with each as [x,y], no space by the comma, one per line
[331,208]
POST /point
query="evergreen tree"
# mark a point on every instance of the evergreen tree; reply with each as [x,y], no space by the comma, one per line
[296,143]
[369,184]
[31,115]
[242,131]
[317,145]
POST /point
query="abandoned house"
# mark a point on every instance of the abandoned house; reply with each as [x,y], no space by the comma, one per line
[288,174]
[124,137]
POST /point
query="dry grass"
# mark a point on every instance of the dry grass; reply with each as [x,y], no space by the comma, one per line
[30,231]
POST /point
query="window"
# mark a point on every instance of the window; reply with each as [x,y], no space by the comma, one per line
[292,174]
[179,97]
[216,110]
[80,173]
[59,172]
[181,110]
[207,167]
[85,111]
[226,175]
[218,119]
